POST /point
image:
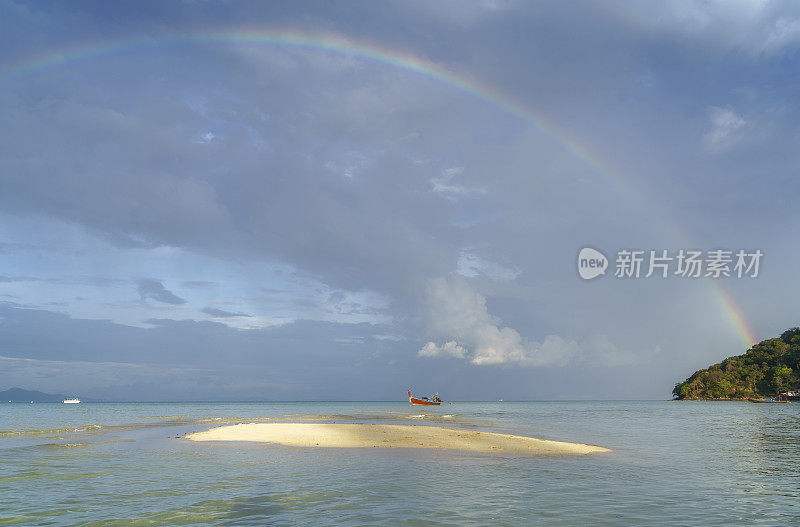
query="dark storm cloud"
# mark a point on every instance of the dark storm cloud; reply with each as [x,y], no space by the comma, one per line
[271,202]
[214,312]
[367,177]
[155,290]
[261,189]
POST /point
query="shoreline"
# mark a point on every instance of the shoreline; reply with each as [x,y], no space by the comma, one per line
[710,400]
[335,435]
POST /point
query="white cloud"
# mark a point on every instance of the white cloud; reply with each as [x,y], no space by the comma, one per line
[448,349]
[206,138]
[751,27]
[726,129]
[389,337]
[445,187]
[784,32]
[350,164]
[471,265]
[458,315]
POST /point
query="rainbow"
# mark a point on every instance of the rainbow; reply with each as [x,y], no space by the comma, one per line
[338,44]
[735,315]
[368,51]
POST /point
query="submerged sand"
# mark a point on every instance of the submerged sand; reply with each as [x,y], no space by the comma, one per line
[335,435]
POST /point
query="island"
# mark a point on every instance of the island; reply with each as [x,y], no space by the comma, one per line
[770,367]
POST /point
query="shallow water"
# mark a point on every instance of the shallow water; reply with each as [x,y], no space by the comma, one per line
[693,463]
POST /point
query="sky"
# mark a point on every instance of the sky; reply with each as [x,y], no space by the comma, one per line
[207,200]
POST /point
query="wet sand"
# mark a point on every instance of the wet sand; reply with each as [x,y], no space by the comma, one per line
[335,435]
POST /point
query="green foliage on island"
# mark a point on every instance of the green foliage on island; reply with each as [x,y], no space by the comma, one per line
[770,367]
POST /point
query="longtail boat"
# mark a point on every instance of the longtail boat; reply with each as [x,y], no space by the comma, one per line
[423,401]
[767,400]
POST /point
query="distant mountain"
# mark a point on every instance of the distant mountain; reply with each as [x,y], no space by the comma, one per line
[769,367]
[18,395]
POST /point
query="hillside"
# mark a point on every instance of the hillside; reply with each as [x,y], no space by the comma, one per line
[18,395]
[769,367]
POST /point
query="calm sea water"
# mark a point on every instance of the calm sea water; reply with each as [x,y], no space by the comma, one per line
[673,464]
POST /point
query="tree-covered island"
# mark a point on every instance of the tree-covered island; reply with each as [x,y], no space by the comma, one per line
[770,367]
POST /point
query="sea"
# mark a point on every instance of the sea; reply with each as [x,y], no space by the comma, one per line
[673,463]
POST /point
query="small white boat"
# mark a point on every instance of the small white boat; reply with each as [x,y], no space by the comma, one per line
[71,401]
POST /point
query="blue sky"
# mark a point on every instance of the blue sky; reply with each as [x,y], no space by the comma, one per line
[399,201]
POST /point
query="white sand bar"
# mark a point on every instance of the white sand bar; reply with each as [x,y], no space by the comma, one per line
[333,435]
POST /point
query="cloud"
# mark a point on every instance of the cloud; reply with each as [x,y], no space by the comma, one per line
[489,343]
[358,303]
[206,138]
[219,313]
[350,164]
[458,315]
[445,187]
[784,32]
[753,28]
[371,177]
[471,265]
[155,290]
[725,129]
[448,349]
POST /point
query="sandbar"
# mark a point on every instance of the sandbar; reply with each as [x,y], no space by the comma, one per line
[339,435]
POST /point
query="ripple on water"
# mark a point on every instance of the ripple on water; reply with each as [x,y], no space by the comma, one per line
[682,464]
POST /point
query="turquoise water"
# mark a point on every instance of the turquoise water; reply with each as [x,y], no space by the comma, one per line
[673,464]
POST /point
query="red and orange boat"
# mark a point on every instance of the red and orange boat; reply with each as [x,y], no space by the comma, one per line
[424,401]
